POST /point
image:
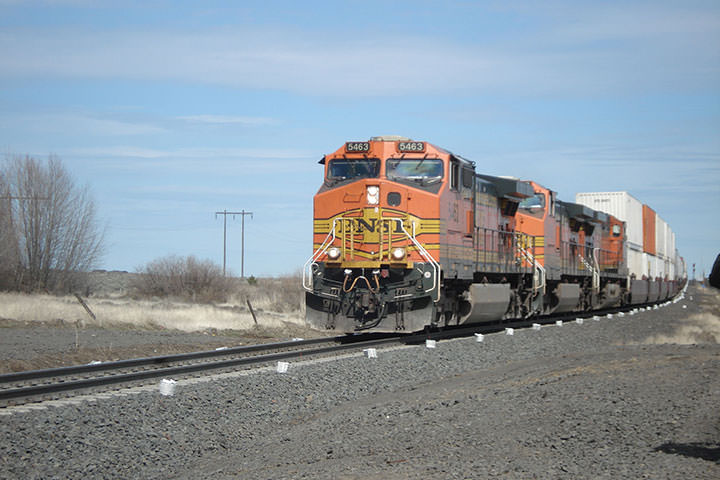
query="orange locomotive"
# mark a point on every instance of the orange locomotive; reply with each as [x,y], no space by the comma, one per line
[408,236]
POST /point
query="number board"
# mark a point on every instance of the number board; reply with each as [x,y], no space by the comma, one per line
[417,147]
[357,147]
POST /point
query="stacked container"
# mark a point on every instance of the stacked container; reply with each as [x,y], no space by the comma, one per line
[650,245]
[628,209]
[649,224]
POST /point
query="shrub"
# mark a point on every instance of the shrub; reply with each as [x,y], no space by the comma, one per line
[186,278]
[279,294]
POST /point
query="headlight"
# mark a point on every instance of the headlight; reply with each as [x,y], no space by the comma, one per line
[398,253]
[333,253]
[373,195]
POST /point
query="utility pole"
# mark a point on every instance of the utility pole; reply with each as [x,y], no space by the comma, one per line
[225,213]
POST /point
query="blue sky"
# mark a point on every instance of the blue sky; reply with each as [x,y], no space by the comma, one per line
[174,110]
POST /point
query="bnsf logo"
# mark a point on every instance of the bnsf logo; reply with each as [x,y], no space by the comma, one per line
[371,225]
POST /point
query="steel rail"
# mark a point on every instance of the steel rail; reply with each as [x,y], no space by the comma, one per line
[28,393]
[33,391]
[16,377]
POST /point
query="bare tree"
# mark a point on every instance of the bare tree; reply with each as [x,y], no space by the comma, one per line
[51,224]
[9,253]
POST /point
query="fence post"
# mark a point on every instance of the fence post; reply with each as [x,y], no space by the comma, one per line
[252,312]
[85,306]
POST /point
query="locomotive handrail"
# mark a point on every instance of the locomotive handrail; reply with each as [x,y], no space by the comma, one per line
[428,258]
[539,273]
[331,236]
[587,264]
[495,250]
[599,260]
[307,283]
[596,271]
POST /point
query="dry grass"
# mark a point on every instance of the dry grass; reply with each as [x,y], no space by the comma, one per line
[276,302]
[703,327]
[696,329]
[283,295]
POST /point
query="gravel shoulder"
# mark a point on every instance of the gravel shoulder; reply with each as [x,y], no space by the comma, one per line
[633,413]
[605,399]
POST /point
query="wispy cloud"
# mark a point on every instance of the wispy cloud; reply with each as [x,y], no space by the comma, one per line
[663,177]
[603,21]
[191,153]
[577,54]
[278,163]
[206,193]
[72,123]
[115,152]
[71,3]
[229,120]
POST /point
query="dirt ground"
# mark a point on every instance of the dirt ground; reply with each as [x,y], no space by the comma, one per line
[31,346]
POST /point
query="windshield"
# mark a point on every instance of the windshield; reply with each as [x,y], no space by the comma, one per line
[535,204]
[420,170]
[346,169]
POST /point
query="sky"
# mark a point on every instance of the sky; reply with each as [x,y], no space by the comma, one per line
[171,111]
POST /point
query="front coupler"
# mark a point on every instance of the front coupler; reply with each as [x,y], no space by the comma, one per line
[378,300]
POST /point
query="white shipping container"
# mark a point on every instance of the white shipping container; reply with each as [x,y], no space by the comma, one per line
[622,206]
[650,265]
[670,243]
[666,268]
[660,237]
[635,263]
[680,266]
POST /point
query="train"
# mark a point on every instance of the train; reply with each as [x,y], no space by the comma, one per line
[408,236]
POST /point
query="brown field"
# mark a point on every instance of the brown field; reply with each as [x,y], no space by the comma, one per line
[110,297]
[44,331]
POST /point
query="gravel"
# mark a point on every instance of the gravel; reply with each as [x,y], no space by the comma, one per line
[577,401]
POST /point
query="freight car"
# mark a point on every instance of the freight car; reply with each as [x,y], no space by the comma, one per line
[408,236]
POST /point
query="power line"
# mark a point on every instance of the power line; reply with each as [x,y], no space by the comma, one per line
[225,213]
[10,197]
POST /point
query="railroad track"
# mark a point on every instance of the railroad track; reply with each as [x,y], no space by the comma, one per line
[38,385]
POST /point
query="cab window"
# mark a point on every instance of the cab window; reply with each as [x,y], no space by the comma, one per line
[454,175]
[419,170]
[534,205]
[468,175]
[341,169]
